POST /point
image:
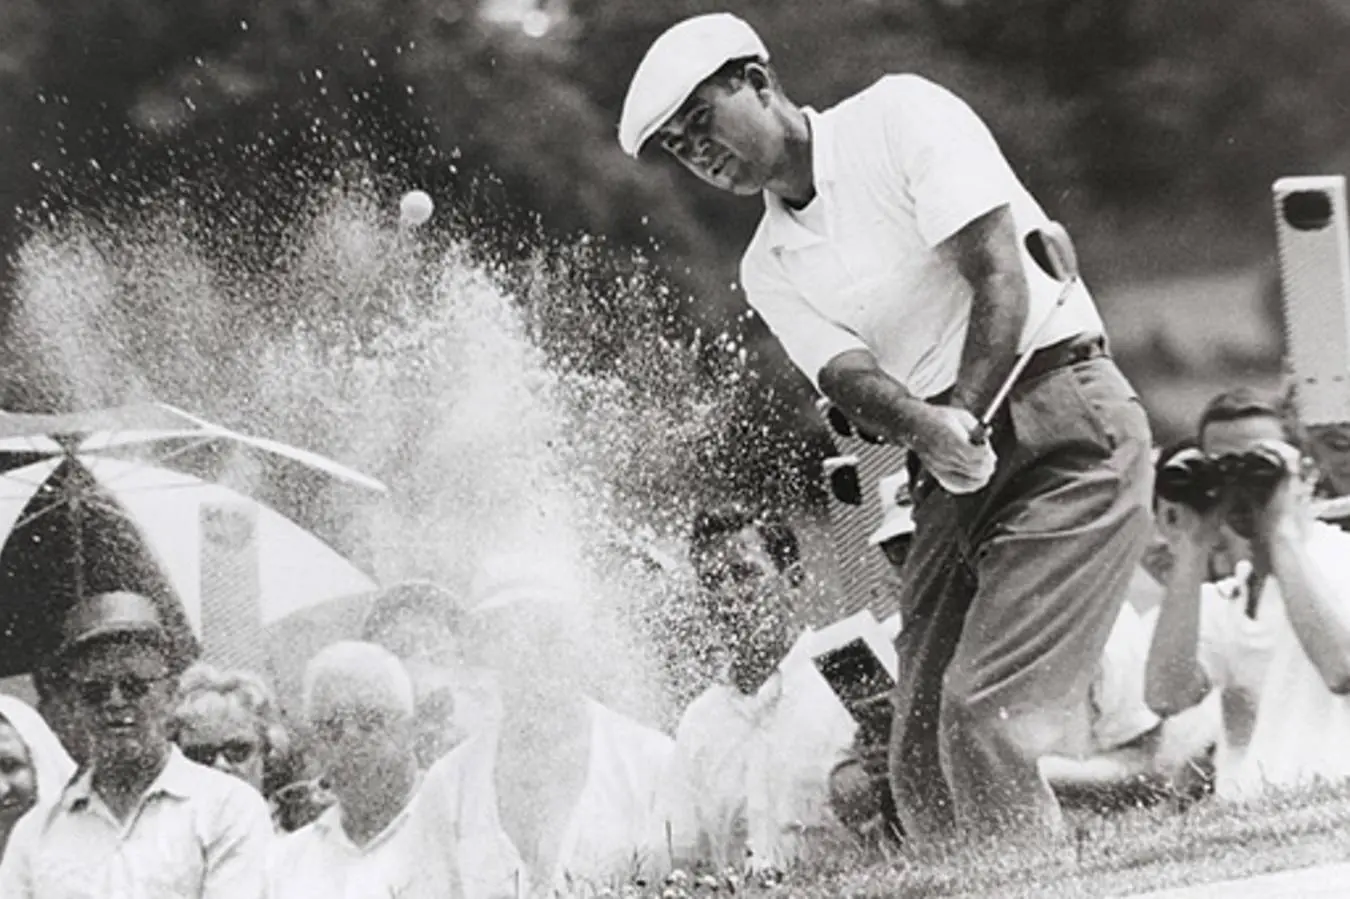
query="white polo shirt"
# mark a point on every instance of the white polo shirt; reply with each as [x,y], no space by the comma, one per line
[197,833]
[750,774]
[898,168]
[1302,729]
[411,859]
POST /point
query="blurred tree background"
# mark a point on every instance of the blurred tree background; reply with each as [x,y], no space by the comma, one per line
[1152,129]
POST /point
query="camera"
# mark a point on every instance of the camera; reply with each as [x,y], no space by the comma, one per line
[1200,482]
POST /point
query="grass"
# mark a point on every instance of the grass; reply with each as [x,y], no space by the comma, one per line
[1117,855]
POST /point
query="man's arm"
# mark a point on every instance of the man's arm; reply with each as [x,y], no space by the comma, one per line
[874,400]
[1318,610]
[987,254]
[1174,679]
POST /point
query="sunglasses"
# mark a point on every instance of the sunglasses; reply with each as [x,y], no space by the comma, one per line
[840,424]
[236,752]
[131,687]
[845,482]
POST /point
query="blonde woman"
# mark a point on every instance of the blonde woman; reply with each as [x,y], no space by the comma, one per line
[230,720]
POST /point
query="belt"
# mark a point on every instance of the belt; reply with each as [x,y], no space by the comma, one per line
[1067,352]
[1070,351]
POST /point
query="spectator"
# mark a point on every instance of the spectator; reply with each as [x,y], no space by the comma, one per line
[895,534]
[1124,754]
[420,623]
[860,790]
[141,819]
[358,703]
[33,765]
[230,720]
[754,753]
[560,790]
[1278,626]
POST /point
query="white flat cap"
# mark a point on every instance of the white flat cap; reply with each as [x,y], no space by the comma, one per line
[676,63]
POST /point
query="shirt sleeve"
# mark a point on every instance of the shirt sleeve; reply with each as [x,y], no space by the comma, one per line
[810,339]
[944,156]
[1120,713]
[237,855]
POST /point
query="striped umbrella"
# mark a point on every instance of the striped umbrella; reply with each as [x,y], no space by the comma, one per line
[133,498]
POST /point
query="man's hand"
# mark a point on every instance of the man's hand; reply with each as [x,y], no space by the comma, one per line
[1289,502]
[946,451]
[1189,532]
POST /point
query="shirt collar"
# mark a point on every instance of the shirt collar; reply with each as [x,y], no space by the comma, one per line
[329,824]
[784,232]
[176,779]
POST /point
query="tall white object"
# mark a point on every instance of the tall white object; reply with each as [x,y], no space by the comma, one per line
[1314,247]
[231,613]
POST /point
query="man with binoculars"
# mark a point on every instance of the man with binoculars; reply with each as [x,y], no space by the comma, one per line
[1257,603]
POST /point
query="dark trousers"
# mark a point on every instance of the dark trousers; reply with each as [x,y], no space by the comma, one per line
[1007,599]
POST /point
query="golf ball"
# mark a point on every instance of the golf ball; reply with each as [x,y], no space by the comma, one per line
[415,208]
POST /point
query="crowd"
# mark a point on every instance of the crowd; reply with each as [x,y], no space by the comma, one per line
[456,749]
[453,750]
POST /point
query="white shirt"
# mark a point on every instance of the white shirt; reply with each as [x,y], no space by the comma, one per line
[196,832]
[1235,652]
[1302,729]
[751,773]
[613,833]
[1119,713]
[898,169]
[410,859]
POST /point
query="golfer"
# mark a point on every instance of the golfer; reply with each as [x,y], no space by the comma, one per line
[891,263]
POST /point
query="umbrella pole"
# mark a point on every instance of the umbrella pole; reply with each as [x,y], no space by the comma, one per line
[77,522]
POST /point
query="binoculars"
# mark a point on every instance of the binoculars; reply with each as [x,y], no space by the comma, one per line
[1200,481]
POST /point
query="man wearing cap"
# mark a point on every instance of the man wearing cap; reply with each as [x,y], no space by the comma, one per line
[140,819]
[891,263]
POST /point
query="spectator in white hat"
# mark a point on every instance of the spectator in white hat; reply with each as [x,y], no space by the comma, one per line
[895,535]
[896,264]
[559,789]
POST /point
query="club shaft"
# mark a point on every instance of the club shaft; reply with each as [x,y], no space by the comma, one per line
[981,432]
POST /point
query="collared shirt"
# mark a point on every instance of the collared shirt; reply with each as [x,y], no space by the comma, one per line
[409,859]
[751,773]
[611,835]
[898,169]
[1118,712]
[1301,729]
[1235,652]
[196,832]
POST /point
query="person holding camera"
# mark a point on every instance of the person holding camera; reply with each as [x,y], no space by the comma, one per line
[1272,635]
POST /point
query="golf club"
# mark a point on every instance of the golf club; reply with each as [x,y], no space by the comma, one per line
[1052,249]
